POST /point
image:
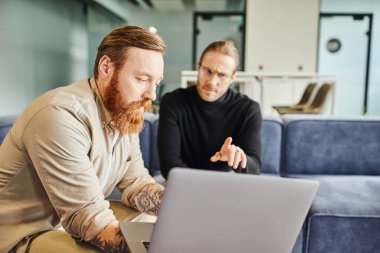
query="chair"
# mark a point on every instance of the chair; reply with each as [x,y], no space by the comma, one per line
[303,101]
[315,107]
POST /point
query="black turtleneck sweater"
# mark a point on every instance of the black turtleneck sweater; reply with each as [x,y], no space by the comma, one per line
[192,130]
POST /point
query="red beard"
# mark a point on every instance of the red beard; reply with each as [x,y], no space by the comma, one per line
[128,117]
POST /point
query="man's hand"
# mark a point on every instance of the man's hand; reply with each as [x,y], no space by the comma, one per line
[231,154]
[149,199]
[111,239]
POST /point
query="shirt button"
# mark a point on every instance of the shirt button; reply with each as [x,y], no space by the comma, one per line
[110,134]
[113,123]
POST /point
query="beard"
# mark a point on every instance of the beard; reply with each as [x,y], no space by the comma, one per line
[128,117]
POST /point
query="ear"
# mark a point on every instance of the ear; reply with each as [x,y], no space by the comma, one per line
[233,77]
[105,68]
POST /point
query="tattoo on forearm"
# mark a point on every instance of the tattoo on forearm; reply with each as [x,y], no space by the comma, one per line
[112,246]
[149,199]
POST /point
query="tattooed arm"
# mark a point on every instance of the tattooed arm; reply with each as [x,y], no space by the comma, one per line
[111,240]
[149,199]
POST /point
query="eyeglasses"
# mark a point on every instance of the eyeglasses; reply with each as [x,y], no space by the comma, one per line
[206,72]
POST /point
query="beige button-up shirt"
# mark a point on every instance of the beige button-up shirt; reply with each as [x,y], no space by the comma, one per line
[59,161]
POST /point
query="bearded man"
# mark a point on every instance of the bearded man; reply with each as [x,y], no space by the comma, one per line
[71,147]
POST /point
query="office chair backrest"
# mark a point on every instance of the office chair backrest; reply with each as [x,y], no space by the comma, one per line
[320,98]
[307,93]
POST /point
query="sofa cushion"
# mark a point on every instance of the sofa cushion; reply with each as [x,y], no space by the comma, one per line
[345,215]
[336,234]
[6,123]
[145,137]
[271,137]
[298,245]
[319,145]
[155,165]
[149,140]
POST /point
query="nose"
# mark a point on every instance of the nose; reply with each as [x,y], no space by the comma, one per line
[214,80]
[150,92]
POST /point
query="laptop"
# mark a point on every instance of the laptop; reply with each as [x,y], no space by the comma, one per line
[208,211]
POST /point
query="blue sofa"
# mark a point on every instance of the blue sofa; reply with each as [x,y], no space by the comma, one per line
[342,154]
[6,123]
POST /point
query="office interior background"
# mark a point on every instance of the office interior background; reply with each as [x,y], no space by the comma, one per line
[46,44]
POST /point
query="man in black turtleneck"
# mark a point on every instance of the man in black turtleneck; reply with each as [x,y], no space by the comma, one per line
[209,126]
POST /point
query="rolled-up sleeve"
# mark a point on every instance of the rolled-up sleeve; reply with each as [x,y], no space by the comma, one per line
[58,141]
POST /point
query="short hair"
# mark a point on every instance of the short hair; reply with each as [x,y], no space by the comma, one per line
[225,47]
[116,43]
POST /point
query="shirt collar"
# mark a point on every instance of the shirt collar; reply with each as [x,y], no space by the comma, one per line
[104,114]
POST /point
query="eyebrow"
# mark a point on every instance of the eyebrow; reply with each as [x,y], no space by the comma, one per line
[149,75]
[220,72]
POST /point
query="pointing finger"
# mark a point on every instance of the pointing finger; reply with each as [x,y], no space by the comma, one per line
[227,142]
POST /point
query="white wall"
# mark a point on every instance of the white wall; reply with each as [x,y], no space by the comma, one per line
[43,45]
[282,35]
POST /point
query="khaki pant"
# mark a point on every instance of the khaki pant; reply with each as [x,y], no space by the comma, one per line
[62,242]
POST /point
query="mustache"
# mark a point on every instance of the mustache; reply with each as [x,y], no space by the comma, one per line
[145,103]
[210,87]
